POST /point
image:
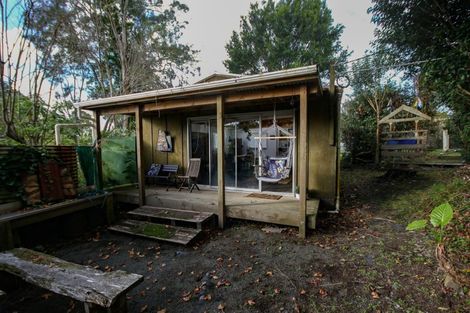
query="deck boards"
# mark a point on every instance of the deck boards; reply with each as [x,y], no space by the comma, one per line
[284,211]
[174,234]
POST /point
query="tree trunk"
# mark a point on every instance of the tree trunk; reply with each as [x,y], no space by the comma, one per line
[377,139]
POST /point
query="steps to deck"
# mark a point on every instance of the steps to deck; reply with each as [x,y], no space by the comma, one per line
[172,215]
[174,234]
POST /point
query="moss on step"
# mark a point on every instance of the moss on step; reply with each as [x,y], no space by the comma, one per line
[157,230]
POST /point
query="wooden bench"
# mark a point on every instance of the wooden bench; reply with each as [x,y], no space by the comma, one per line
[166,173]
[99,291]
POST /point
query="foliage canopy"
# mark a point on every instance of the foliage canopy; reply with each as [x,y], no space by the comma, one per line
[284,34]
[436,34]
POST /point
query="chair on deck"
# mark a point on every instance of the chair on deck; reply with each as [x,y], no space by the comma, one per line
[192,173]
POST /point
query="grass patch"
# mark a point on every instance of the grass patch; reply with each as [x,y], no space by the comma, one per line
[452,187]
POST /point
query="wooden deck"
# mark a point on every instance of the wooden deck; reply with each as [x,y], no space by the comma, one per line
[284,211]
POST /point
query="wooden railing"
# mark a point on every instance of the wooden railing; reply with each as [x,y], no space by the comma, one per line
[403,145]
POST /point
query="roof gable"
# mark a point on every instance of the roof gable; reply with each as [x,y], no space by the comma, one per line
[394,117]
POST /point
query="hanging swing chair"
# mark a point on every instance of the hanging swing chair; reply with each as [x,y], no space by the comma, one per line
[274,169]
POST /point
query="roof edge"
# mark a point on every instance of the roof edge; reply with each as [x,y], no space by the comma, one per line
[235,82]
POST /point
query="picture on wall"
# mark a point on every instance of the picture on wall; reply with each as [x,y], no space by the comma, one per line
[164,143]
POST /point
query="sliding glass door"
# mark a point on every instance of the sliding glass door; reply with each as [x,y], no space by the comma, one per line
[199,136]
[244,151]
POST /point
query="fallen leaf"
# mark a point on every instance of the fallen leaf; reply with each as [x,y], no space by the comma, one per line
[323,292]
[375,294]
[250,302]
[161,311]
[207,297]
[105,257]
[303,292]
[221,307]
[144,308]
[180,273]
[186,299]
[269,273]
[277,291]
[317,274]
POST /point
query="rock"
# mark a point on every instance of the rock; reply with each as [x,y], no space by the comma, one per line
[450,283]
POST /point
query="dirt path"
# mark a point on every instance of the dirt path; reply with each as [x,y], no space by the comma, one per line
[361,260]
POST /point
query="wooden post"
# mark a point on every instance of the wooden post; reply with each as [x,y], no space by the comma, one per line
[220,162]
[303,157]
[139,147]
[332,106]
[99,179]
[332,80]
[6,236]
[110,208]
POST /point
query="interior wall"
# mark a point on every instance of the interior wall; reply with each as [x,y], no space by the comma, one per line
[174,126]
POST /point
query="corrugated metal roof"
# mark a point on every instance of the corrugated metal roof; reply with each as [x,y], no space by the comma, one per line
[232,82]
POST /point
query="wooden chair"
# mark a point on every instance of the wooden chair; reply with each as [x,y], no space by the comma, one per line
[192,173]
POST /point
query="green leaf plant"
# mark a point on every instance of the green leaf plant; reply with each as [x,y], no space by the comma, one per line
[440,216]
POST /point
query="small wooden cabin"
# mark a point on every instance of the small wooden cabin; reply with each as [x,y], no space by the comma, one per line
[234,124]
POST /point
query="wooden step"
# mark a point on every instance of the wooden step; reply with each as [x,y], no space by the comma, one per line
[174,234]
[172,215]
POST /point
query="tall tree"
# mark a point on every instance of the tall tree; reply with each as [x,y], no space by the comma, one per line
[285,34]
[375,93]
[24,115]
[120,46]
[435,36]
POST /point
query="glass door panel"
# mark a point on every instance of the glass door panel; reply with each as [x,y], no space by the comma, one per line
[200,148]
[229,153]
[246,153]
[213,152]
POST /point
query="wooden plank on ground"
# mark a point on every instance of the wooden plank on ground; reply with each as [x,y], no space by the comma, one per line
[397,153]
[76,281]
[171,214]
[174,234]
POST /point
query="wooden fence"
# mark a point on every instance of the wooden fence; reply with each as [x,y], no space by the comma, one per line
[66,155]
